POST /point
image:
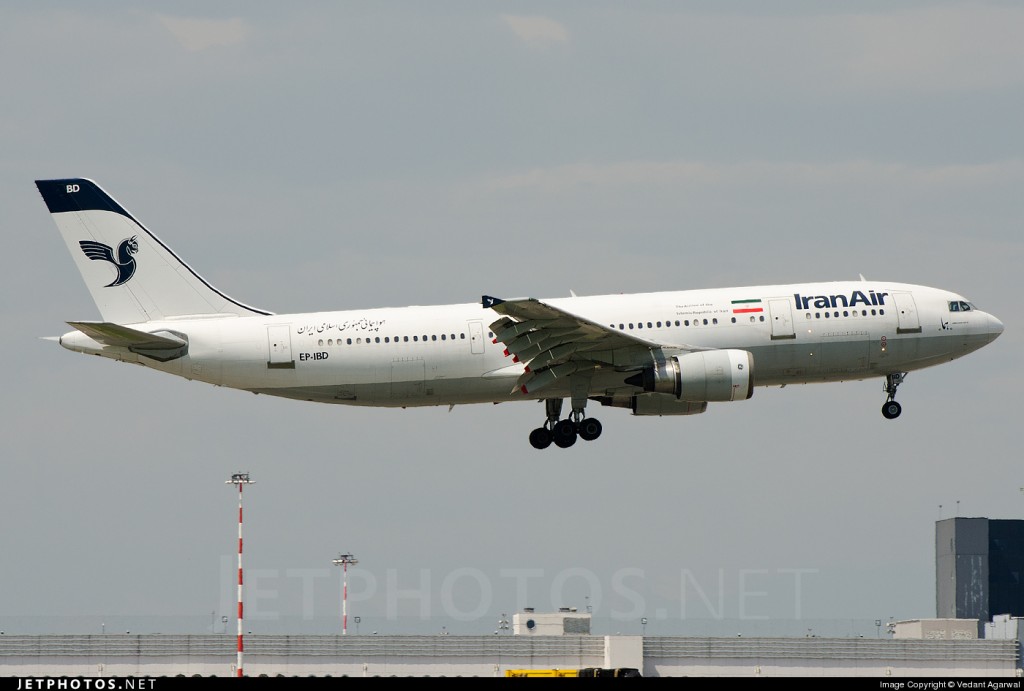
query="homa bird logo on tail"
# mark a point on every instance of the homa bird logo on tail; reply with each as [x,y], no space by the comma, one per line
[124,262]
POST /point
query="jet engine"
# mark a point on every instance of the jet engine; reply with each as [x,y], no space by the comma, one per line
[706,375]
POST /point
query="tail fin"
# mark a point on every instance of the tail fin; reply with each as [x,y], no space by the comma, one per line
[133,276]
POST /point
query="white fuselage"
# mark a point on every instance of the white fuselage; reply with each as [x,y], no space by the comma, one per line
[444,355]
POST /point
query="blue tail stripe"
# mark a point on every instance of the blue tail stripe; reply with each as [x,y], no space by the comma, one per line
[77,194]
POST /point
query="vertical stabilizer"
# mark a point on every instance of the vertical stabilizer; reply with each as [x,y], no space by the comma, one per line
[133,276]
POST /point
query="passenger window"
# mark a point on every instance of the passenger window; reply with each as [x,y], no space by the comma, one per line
[639,325]
[715,320]
[631,326]
[649,325]
[348,341]
[762,318]
[845,313]
[442,337]
[705,322]
[880,312]
[377,339]
[416,338]
[677,322]
[462,336]
[659,325]
[432,338]
[826,315]
[734,320]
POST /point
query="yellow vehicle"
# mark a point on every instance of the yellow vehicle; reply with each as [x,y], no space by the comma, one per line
[585,672]
[542,673]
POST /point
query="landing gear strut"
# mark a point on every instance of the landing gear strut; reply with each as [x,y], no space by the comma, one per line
[891,409]
[564,432]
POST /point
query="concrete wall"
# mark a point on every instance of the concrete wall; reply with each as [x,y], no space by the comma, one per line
[485,656]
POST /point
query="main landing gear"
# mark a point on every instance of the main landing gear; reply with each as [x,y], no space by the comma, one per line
[891,409]
[564,432]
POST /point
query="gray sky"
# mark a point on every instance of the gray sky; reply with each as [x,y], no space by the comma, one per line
[316,156]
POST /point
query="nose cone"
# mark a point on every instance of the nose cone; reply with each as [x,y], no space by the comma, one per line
[995,327]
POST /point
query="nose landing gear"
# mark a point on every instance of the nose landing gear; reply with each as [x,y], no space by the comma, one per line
[891,409]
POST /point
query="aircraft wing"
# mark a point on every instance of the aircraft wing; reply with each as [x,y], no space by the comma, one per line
[555,343]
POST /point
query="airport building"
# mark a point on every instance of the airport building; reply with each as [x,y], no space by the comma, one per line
[979,566]
[543,644]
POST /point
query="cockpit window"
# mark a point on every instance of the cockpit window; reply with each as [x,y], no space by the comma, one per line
[960,306]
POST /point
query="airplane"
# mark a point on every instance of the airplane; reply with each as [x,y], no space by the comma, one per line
[659,353]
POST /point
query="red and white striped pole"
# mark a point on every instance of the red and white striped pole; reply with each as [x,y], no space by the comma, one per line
[239,479]
[343,561]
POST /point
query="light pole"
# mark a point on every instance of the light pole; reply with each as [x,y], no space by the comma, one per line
[343,561]
[240,479]
[503,623]
[357,619]
[643,623]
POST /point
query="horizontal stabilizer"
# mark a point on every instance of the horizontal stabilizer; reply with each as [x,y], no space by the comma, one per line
[117,335]
[162,346]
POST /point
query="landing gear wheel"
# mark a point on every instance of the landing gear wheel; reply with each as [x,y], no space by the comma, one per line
[540,438]
[891,410]
[589,429]
[564,434]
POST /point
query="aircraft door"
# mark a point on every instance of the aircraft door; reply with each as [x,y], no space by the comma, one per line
[279,345]
[476,337]
[906,313]
[780,311]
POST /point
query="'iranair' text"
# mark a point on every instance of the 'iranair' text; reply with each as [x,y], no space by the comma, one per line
[856,298]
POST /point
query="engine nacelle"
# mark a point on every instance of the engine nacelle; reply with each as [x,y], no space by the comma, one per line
[662,404]
[707,375]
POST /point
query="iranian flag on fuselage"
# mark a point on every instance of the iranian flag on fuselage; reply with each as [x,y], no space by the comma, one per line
[747,306]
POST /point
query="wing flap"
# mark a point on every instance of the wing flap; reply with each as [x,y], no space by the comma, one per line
[554,343]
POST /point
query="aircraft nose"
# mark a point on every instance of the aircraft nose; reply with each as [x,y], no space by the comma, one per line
[995,327]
